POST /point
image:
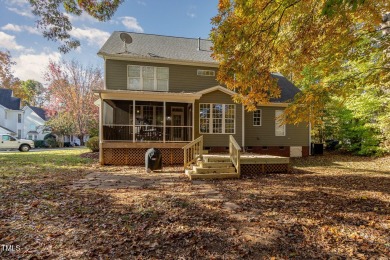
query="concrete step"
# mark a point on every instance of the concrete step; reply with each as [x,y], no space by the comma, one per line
[222,175]
[200,170]
[215,164]
[216,158]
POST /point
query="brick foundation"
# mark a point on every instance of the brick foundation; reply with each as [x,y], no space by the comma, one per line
[276,150]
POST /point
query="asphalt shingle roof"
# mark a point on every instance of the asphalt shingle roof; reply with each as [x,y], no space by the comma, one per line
[39,111]
[7,100]
[159,47]
[288,89]
[151,46]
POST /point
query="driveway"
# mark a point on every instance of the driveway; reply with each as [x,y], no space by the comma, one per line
[44,149]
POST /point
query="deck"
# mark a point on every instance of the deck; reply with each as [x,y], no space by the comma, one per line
[252,158]
[219,166]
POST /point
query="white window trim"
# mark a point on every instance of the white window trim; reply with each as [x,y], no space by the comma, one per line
[276,124]
[223,119]
[141,78]
[261,117]
[204,73]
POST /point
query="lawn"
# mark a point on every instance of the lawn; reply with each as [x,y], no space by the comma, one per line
[56,204]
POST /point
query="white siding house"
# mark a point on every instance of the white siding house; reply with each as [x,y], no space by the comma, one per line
[33,123]
[11,116]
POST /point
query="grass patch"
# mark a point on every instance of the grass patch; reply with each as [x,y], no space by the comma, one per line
[15,163]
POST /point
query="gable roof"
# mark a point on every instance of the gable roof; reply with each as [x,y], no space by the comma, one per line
[6,129]
[158,47]
[39,111]
[287,88]
[7,100]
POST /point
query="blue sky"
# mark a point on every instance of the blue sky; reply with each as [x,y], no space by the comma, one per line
[31,52]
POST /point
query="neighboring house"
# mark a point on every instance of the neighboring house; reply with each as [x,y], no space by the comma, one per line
[34,123]
[162,92]
[11,116]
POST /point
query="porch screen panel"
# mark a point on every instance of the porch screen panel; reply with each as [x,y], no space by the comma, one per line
[204,118]
[217,118]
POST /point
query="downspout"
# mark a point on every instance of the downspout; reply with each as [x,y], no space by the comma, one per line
[198,43]
[243,128]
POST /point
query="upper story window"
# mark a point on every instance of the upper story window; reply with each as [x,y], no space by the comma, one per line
[257,117]
[280,129]
[209,73]
[19,118]
[147,78]
[217,118]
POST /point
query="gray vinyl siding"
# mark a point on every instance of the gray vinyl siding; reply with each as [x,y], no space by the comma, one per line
[210,140]
[182,78]
[264,135]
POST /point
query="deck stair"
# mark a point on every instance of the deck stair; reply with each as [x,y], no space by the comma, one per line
[213,167]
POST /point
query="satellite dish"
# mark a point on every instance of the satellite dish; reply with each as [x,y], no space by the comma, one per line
[126,39]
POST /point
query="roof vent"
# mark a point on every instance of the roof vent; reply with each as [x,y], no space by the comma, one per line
[198,43]
[126,39]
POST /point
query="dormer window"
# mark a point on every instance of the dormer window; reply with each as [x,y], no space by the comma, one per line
[147,78]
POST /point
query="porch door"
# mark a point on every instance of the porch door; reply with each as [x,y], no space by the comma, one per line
[177,114]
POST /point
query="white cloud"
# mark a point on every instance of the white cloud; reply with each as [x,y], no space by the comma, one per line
[11,27]
[32,30]
[93,36]
[8,41]
[26,12]
[33,66]
[131,23]
[140,2]
[19,28]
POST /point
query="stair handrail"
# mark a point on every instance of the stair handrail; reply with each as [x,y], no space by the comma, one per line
[193,151]
[235,153]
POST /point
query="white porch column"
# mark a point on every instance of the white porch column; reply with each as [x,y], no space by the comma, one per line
[101,111]
[134,121]
[193,121]
[164,120]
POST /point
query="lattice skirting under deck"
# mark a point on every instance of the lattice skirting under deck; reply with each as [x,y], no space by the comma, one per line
[263,168]
[136,156]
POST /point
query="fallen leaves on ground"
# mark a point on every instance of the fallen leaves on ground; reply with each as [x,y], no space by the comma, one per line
[332,206]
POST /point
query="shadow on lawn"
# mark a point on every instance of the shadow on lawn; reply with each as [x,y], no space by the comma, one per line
[159,221]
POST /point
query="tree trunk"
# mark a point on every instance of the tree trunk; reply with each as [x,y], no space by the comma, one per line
[81,137]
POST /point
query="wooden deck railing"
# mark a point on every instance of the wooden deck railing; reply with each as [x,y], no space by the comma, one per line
[235,153]
[193,151]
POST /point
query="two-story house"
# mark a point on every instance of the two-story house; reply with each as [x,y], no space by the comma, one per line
[11,116]
[34,123]
[162,92]
[25,123]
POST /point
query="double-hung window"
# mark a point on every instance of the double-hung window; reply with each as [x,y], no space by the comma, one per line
[217,118]
[280,128]
[257,117]
[147,78]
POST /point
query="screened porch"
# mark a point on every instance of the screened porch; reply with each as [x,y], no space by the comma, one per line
[147,121]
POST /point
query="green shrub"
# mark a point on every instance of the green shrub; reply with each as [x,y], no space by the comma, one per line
[39,144]
[52,142]
[93,144]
